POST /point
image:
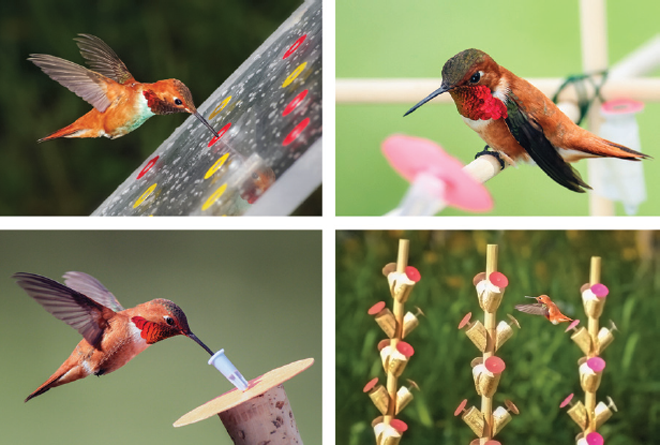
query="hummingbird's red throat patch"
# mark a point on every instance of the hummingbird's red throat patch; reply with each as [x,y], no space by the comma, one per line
[149,331]
[478,103]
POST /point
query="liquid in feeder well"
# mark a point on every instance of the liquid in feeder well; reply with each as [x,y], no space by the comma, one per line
[227,368]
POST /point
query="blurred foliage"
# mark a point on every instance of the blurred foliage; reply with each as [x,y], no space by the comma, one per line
[541,359]
[199,42]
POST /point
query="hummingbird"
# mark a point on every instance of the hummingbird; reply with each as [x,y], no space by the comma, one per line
[519,122]
[545,307]
[121,103]
[112,335]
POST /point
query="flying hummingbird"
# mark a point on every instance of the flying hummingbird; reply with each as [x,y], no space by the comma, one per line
[121,103]
[518,121]
[112,335]
[544,307]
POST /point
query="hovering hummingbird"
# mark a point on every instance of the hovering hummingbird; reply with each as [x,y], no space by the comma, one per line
[121,103]
[112,335]
[544,307]
[518,121]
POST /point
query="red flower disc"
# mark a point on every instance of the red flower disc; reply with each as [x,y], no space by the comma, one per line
[398,425]
[376,308]
[413,274]
[498,279]
[369,386]
[405,349]
[495,364]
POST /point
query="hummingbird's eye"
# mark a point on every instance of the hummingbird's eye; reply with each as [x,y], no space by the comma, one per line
[475,77]
[255,176]
[177,101]
[169,320]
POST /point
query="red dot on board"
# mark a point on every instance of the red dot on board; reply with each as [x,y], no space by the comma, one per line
[369,386]
[405,349]
[221,133]
[295,46]
[376,308]
[147,167]
[498,279]
[413,274]
[295,102]
[295,132]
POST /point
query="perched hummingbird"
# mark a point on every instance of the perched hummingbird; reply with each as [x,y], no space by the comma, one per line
[112,335]
[544,307]
[518,121]
[121,103]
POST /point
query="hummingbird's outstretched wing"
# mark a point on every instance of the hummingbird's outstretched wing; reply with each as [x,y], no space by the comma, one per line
[102,59]
[92,288]
[529,135]
[87,84]
[75,309]
[534,308]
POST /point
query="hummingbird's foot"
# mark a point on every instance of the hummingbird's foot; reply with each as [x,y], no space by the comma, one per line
[486,151]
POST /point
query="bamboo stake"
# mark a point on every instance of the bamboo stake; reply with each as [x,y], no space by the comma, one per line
[490,322]
[592,328]
[391,400]
[392,380]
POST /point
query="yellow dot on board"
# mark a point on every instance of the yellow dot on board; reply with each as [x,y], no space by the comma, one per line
[294,74]
[219,108]
[215,167]
[214,197]
[145,195]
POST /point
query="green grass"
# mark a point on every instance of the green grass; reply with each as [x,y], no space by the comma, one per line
[541,359]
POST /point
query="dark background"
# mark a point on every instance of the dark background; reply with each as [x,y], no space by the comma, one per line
[541,359]
[200,42]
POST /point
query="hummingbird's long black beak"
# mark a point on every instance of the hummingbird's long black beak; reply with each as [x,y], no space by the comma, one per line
[199,342]
[205,122]
[439,91]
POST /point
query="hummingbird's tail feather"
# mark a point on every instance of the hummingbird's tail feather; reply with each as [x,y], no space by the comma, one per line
[68,372]
[594,146]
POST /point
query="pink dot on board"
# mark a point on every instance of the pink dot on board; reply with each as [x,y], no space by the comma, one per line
[413,274]
[147,167]
[499,279]
[295,102]
[295,132]
[594,438]
[376,308]
[295,46]
[405,349]
[597,364]
[495,364]
[600,290]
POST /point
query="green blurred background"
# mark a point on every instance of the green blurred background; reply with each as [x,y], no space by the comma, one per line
[200,42]
[541,359]
[395,39]
[256,294]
